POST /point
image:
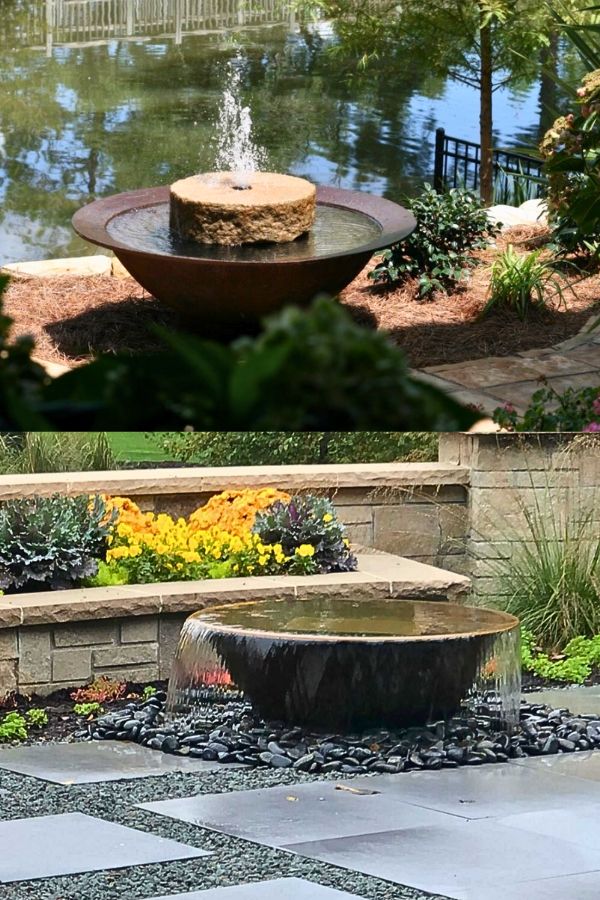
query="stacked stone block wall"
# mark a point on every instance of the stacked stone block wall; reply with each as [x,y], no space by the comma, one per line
[514,478]
[43,658]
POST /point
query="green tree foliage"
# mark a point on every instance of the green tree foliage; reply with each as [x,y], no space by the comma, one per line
[486,44]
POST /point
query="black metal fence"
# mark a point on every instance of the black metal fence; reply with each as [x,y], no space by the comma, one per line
[457,165]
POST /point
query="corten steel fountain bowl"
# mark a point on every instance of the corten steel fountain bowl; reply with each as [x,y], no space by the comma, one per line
[230,289]
[339,663]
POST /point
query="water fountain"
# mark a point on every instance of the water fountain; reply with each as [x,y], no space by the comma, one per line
[231,246]
[346,664]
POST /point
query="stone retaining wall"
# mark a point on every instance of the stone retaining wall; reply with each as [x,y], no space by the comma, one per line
[57,639]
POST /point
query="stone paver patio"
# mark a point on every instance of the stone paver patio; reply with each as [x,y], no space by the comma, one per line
[493,381]
[523,830]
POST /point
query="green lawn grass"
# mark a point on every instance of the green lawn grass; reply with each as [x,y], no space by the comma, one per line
[135,446]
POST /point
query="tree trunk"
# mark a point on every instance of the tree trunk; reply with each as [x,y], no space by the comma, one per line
[486,169]
[324,442]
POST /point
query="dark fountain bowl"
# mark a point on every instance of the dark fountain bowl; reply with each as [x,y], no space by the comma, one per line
[230,289]
[344,664]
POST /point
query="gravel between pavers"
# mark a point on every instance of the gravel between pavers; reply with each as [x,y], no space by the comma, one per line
[235,861]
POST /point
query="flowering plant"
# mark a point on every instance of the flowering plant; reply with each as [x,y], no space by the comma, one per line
[235,511]
[222,539]
[571,151]
[573,410]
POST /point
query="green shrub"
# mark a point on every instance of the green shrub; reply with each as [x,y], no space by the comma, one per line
[571,150]
[572,410]
[305,522]
[22,381]
[265,448]
[520,283]
[439,252]
[51,542]
[309,369]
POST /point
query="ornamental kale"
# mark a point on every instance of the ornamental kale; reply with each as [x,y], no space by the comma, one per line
[307,522]
[51,542]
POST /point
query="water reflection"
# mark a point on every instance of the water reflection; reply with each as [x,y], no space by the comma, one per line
[100,96]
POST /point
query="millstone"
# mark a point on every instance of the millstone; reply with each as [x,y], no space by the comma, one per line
[225,208]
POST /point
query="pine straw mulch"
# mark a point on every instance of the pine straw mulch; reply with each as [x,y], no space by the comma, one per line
[73,318]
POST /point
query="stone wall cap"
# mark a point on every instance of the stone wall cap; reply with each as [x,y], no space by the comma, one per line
[377,572]
[130,482]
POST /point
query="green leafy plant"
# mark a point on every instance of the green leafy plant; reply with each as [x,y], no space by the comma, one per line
[439,252]
[101,690]
[574,664]
[149,691]
[309,369]
[108,575]
[521,283]
[22,381]
[571,150]
[51,542]
[13,728]
[309,533]
[36,717]
[92,708]
[572,410]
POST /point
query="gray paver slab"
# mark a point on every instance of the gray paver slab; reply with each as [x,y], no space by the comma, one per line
[582,887]
[288,813]
[290,888]
[588,352]
[455,860]
[579,826]
[476,793]
[45,846]
[85,763]
[584,765]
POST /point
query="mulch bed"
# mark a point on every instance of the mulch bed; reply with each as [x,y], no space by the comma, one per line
[71,319]
[63,722]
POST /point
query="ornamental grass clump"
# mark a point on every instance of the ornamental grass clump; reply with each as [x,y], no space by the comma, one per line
[48,543]
[523,283]
[311,536]
[550,578]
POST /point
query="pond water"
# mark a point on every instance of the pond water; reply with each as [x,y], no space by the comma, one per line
[101,96]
